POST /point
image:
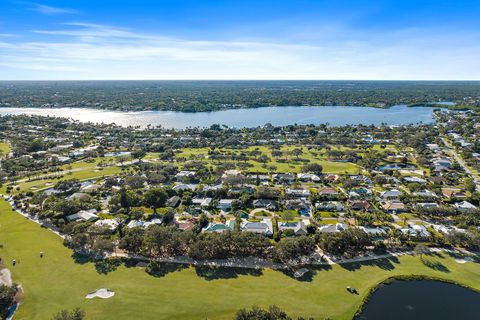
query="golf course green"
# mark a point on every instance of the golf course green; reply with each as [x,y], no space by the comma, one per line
[57,281]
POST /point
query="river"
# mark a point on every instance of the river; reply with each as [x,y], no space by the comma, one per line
[421,300]
[241,118]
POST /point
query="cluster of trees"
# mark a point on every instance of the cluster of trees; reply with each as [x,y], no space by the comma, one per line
[166,241]
[257,313]
[7,299]
[348,242]
[76,314]
[191,96]
[160,241]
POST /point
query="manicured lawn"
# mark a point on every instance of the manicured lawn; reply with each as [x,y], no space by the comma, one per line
[4,149]
[83,174]
[57,282]
[292,164]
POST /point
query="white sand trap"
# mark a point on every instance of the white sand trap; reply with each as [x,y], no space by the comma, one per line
[462,261]
[100,293]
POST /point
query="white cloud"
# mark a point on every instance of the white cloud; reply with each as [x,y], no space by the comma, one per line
[49,10]
[92,51]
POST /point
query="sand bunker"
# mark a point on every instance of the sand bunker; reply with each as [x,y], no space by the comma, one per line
[100,293]
[465,260]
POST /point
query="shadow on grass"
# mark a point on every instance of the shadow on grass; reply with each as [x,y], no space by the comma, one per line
[388,264]
[216,273]
[106,266]
[161,269]
[434,254]
[435,265]
[102,266]
[460,255]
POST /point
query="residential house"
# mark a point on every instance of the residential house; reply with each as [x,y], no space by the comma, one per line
[218,227]
[328,193]
[464,206]
[414,180]
[173,202]
[265,227]
[284,178]
[85,215]
[298,228]
[391,195]
[333,228]
[225,204]
[297,193]
[393,207]
[180,176]
[333,206]
[265,204]
[308,177]
[453,193]
[302,205]
[111,224]
[358,205]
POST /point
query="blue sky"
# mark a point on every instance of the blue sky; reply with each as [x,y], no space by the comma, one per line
[298,39]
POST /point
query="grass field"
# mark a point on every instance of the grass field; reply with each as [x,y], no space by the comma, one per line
[4,149]
[292,164]
[57,282]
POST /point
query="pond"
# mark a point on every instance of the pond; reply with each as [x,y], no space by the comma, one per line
[420,300]
[241,118]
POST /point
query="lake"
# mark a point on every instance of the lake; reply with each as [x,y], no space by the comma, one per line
[241,118]
[420,300]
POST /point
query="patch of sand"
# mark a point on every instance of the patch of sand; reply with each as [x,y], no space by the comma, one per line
[100,293]
[5,277]
[465,260]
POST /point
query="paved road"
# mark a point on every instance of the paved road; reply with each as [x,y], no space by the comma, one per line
[462,163]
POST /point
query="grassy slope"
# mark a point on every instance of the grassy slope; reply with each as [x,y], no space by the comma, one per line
[56,282]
